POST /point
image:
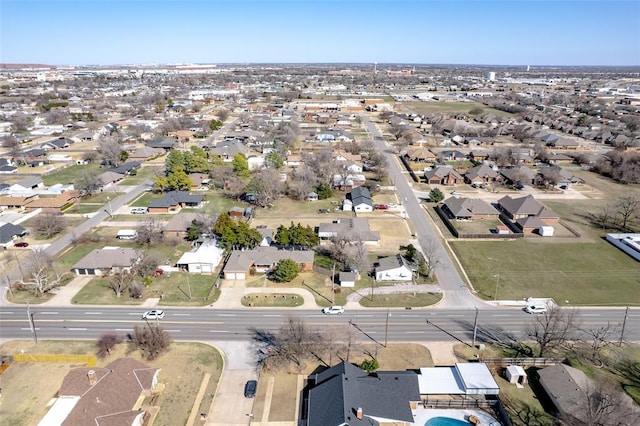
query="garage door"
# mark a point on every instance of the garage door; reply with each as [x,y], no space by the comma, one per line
[240,276]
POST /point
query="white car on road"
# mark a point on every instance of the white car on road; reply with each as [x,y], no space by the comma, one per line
[333,310]
[153,314]
[535,309]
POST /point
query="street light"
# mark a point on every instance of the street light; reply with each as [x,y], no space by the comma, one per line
[110,208]
[495,296]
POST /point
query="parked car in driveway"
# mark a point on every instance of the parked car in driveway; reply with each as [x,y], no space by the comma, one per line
[250,388]
[456,193]
[333,310]
[380,207]
[153,314]
[139,210]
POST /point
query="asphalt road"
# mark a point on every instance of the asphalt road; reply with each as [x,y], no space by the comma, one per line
[209,324]
[456,292]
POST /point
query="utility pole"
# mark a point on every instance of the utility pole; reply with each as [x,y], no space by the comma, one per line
[495,296]
[333,283]
[475,329]
[624,324]
[32,324]
[386,328]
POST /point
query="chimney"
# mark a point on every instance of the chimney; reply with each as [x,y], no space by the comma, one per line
[359,413]
[91,374]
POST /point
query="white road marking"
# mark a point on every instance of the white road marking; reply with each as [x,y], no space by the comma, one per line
[218,331]
[272,315]
[93,313]
[181,315]
[174,331]
[76,329]
[226,315]
[48,313]
[414,332]
[124,329]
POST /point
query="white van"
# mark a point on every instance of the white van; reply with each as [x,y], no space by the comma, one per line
[127,234]
[139,210]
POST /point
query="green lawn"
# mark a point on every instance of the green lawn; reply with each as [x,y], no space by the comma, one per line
[576,273]
[68,175]
[142,174]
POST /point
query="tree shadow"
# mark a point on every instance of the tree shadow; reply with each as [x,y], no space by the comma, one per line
[497,336]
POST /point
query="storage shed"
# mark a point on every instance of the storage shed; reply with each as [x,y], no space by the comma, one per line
[516,375]
[546,231]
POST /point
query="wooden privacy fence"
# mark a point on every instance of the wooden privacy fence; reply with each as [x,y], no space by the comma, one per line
[89,360]
[530,362]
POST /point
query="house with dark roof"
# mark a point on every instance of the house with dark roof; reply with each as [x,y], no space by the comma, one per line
[561,177]
[228,149]
[27,184]
[517,208]
[109,178]
[177,226]
[126,168]
[443,175]
[175,201]
[347,395]
[146,153]
[163,143]
[103,396]
[518,175]
[106,261]
[242,263]
[462,208]
[55,144]
[9,233]
[394,268]
[361,200]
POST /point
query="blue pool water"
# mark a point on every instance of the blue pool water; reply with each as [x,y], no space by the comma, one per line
[445,421]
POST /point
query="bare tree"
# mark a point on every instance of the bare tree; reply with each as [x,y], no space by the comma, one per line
[88,182]
[552,329]
[20,121]
[106,342]
[110,149]
[40,274]
[149,232]
[360,252]
[120,282]
[46,225]
[599,338]
[147,265]
[628,209]
[431,256]
[13,146]
[151,340]
[606,216]
[603,404]
[267,186]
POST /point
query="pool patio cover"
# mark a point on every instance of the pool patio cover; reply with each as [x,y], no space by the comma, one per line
[461,379]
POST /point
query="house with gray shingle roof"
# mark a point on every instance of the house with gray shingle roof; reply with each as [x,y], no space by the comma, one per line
[517,208]
[360,199]
[347,395]
[469,208]
[263,259]
[9,233]
[518,175]
[106,261]
[174,201]
[481,174]
[443,175]
[394,268]
[351,228]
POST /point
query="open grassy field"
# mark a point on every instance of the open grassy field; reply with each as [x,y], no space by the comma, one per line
[576,273]
[425,108]
[400,300]
[41,381]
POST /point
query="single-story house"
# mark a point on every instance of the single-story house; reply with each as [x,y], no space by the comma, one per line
[107,395]
[53,204]
[566,387]
[421,155]
[146,153]
[561,177]
[346,395]
[106,261]
[27,184]
[166,144]
[204,259]
[241,263]
[517,208]
[352,228]
[443,175]
[126,168]
[9,233]
[175,201]
[109,178]
[469,208]
[199,179]
[177,226]
[7,170]
[518,175]
[9,202]
[481,174]
[394,268]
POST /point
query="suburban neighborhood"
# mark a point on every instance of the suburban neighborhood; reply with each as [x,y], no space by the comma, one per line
[321,245]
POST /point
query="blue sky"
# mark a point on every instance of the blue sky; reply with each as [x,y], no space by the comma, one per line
[514,32]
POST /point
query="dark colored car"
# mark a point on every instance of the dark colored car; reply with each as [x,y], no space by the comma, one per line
[22,244]
[250,389]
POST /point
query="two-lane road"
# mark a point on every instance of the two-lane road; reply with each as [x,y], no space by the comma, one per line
[210,324]
[456,293]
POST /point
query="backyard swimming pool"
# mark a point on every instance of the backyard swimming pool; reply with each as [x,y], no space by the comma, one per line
[445,421]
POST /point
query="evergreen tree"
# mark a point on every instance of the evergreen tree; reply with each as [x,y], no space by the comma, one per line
[286,271]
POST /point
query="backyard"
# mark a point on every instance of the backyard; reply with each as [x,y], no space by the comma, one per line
[41,381]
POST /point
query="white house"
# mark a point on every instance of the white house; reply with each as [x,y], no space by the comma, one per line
[203,260]
[393,268]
